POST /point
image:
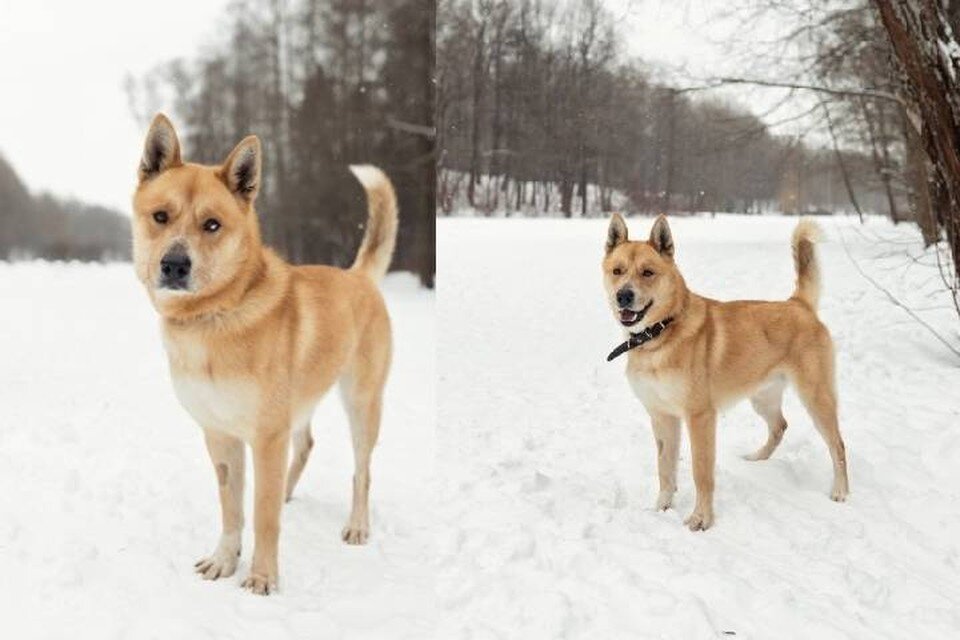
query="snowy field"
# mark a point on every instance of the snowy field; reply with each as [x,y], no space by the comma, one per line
[107,496]
[548,469]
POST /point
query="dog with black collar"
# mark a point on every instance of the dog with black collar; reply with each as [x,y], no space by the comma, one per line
[689,356]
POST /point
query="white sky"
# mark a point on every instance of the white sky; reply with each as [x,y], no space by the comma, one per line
[671,33]
[690,41]
[66,127]
[64,121]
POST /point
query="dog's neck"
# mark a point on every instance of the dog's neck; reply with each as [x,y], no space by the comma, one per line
[649,338]
[641,338]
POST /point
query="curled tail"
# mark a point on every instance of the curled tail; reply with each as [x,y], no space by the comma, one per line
[380,237]
[805,236]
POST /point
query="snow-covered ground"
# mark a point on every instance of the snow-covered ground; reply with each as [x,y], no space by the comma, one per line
[547,462]
[107,496]
[529,512]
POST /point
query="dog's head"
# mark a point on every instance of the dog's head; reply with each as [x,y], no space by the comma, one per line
[642,282]
[194,226]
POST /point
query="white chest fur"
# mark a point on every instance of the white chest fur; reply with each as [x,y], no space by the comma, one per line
[661,394]
[229,406]
[221,403]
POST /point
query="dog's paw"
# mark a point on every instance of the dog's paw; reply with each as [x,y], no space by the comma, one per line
[355,534]
[699,520]
[260,584]
[664,500]
[839,494]
[222,563]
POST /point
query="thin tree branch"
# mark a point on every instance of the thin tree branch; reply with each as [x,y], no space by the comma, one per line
[409,127]
[843,165]
[892,298]
[868,93]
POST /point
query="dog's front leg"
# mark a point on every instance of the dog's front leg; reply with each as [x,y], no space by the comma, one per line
[269,467]
[703,430]
[666,431]
[226,453]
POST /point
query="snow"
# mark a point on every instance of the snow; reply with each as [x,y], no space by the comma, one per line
[548,466]
[528,512]
[108,496]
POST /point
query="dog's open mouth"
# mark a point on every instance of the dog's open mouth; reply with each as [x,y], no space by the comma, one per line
[629,317]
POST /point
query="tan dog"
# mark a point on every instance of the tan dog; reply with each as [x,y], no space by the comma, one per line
[708,354]
[253,342]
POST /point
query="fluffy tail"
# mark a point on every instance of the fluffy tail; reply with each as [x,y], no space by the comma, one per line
[805,236]
[380,237]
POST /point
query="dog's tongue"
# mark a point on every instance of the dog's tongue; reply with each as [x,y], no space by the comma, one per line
[626,315]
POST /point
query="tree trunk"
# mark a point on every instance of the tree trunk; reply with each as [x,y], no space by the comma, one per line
[583,187]
[566,197]
[887,173]
[925,47]
[478,73]
[917,176]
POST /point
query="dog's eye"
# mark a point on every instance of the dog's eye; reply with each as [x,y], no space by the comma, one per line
[160,217]
[647,273]
[210,225]
[617,271]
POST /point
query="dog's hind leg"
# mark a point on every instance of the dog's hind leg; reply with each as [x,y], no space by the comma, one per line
[227,455]
[816,388]
[666,431]
[363,411]
[768,404]
[302,446]
[361,388]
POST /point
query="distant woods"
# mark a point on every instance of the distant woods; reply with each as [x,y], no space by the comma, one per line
[325,84]
[538,113]
[54,229]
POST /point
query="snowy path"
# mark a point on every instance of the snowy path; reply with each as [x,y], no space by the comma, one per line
[107,496]
[548,466]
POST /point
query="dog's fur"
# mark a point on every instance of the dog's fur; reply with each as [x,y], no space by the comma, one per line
[715,353]
[254,342]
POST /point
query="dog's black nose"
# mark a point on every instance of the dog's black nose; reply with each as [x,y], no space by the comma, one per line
[175,267]
[625,297]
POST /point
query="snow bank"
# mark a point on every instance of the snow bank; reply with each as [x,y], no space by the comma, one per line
[548,471]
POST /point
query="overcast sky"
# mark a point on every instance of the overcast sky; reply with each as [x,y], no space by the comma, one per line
[64,121]
[677,34]
[693,41]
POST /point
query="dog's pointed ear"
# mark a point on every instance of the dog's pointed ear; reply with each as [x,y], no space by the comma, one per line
[161,150]
[241,169]
[660,237]
[616,232]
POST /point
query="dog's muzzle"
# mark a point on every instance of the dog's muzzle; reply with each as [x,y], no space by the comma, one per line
[629,317]
[175,269]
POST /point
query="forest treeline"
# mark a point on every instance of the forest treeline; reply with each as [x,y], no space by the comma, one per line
[536,102]
[52,228]
[325,84]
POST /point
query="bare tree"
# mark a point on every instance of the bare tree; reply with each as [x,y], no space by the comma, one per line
[928,54]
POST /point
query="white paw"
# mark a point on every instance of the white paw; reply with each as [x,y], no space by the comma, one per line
[699,520]
[355,534]
[222,563]
[217,566]
[664,500]
[260,584]
[839,494]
